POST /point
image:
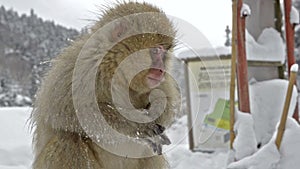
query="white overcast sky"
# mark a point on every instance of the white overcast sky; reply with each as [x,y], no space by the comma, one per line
[209,17]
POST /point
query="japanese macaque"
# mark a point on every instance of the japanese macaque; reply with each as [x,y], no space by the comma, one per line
[118,71]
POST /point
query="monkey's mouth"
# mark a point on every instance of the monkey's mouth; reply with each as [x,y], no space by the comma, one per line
[155,77]
[153,82]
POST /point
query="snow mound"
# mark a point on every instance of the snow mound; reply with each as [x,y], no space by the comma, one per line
[268,157]
[268,47]
[266,104]
[245,142]
[290,149]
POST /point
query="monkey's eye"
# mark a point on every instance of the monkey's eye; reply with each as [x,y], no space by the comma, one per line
[158,52]
[169,47]
[154,51]
[166,46]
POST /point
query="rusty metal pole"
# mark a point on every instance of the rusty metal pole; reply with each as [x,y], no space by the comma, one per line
[242,65]
[290,44]
[289,34]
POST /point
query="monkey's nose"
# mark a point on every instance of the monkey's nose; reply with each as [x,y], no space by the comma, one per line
[157,71]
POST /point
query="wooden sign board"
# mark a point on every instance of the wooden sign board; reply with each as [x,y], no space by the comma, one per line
[207,82]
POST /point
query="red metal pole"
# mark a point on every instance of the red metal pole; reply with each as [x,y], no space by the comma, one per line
[290,43]
[242,65]
[289,34]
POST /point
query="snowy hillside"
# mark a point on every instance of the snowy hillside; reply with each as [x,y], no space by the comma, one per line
[27,42]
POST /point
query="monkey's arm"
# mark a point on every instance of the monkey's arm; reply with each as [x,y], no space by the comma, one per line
[151,133]
[68,151]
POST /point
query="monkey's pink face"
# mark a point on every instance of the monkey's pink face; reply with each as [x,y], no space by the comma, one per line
[149,69]
[156,72]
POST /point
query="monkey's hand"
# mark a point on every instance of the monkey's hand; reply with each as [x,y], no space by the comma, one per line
[152,134]
[157,140]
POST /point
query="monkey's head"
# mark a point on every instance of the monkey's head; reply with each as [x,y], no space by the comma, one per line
[142,37]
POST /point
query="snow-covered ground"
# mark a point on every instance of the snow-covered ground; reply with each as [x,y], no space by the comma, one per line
[15,140]
[266,98]
[16,150]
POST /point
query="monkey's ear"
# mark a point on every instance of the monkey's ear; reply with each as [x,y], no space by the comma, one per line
[119,29]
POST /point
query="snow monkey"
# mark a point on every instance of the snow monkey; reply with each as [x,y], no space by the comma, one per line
[109,96]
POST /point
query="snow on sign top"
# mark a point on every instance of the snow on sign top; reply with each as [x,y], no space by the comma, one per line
[204,52]
[268,47]
[294,68]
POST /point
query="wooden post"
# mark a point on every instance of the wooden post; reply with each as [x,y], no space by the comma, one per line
[233,72]
[242,66]
[281,127]
[290,44]
[188,98]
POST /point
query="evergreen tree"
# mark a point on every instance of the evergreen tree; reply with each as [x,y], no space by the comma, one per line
[27,44]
